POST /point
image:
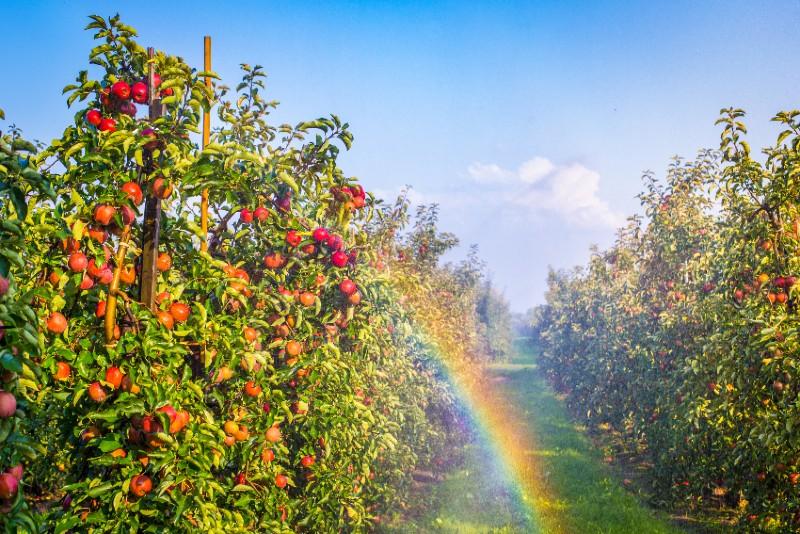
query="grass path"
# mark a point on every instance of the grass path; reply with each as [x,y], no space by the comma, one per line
[559,484]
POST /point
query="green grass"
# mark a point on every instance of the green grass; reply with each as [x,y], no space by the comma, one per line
[585,497]
[471,500]
[589,496]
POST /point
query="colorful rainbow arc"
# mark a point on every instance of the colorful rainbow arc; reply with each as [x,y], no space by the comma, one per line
[508,434]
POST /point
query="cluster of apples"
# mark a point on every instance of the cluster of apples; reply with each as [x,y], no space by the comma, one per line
[120,97]
[260,214]
[778,293]
[353,196]
[10,479]
[335,244]
[782,285]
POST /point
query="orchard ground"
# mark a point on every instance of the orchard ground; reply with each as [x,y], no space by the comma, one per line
[585,494]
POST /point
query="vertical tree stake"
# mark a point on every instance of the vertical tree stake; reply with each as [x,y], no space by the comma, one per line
[206,138]
[152,207]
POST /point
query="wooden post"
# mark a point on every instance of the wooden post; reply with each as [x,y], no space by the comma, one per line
[152,208]
[111,300]
[206,137]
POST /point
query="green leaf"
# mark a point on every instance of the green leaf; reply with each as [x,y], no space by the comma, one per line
[9,362]
[20,205]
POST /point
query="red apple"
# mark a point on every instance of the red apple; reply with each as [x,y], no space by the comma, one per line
[94,117]
[121,90]
[8,404]
[139,92]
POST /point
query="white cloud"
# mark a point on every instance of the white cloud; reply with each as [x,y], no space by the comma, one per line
[539,186]
[491,173]
[535,169]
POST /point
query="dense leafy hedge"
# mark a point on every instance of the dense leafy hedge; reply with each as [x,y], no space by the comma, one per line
[684,334]
[278,383]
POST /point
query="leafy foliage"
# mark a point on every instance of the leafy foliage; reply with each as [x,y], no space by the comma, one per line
[278,384]
[682,334]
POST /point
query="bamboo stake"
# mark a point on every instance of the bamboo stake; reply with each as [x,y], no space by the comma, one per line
[113,289]
[206,138]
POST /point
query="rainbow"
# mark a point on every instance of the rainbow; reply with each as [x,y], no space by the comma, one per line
[508,434]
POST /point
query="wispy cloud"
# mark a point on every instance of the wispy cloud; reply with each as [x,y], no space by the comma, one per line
[539,186]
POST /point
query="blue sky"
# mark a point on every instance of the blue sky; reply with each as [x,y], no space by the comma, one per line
[529,122]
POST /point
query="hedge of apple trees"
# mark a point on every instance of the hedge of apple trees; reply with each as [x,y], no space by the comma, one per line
[684,334]
[19,336]
[277,384]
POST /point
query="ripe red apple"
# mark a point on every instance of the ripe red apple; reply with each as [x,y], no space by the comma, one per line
[335,242]
[179,311]
[133,192]
[106,275]
[8,404]
[267,455]
[97,234]
[121,90]
[87,283]
[141,485]
[251,389]
[240,479]
[274,260]
[78,262]
[261,213]
[96,392]
[63,371]
[273,434]
[281,481]
[347,286]
[339,259]
[163,262]
[161,188]
[114,376]
[56,323]
[320,235]
[307,461]
[293,238]
[139,92]
[103,214]
[108,125]
[94,117]
[8,486]
[245,215]
[166,319]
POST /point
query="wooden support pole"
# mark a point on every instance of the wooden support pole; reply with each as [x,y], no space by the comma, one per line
[206,138]
[111,300]
[152,208]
